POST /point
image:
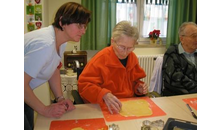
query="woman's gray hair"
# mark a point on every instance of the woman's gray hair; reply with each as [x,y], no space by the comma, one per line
[183,26]
[125,28]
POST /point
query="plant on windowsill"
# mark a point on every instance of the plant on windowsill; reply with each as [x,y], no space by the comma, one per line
[154,35]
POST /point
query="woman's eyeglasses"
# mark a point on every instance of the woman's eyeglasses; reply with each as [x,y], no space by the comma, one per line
[123,48]
[81,26]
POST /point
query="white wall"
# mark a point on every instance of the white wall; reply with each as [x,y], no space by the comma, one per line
[150,50]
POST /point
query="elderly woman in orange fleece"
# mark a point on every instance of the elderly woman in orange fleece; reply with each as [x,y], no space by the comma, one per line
[114,72]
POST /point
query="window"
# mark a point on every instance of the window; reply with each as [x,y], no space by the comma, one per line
[153,15]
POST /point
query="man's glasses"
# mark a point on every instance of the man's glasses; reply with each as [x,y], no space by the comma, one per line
[123,48]
[193,36]
[81,26]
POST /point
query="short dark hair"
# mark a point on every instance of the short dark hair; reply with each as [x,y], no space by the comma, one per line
[71,12]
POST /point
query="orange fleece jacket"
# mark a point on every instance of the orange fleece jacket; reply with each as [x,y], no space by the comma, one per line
[105,73]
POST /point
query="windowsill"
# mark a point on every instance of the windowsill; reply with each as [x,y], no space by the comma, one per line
[141,45]
[145,43]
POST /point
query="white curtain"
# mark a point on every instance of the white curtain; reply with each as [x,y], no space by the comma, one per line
[155,17]
[127,10]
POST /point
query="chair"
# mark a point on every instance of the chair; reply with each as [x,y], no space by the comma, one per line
[75,93]
[156,82]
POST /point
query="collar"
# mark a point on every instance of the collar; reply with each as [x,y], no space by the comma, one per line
[182,51]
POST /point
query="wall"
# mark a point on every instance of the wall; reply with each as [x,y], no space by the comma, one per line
[149,50]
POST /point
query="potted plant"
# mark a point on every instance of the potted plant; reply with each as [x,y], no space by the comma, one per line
[154,35]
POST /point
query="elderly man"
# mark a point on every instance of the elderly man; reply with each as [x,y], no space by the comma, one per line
[180,63]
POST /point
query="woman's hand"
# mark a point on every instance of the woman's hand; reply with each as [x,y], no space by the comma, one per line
[69,104]
[58,109]
[142,88]
[112,102]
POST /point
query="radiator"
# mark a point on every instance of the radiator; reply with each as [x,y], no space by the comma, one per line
[147,63]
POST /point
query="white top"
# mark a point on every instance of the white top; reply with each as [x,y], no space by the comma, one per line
[40,55]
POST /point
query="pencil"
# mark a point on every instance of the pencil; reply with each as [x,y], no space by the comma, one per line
[193,114]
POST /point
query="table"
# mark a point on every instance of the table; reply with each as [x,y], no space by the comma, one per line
[173,106]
